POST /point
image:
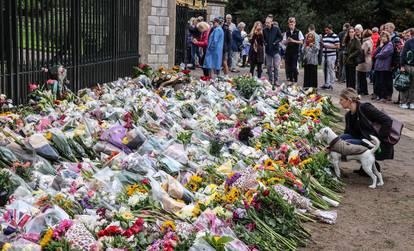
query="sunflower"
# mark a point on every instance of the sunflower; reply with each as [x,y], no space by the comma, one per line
[268,163]
[168,225]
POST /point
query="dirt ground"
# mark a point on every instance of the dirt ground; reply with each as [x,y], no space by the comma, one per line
[372,219]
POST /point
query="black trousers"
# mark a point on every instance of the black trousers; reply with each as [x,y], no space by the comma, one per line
[362,82]
[259,69]
[350,72]
[310,78]
[291,61]
[206,72]
[383,84]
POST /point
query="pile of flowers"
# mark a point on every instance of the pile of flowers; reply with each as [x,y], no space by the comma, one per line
[214,165]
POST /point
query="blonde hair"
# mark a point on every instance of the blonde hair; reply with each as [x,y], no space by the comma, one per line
[387,34]
[350,94]
[257,23]
[390,25]
[203,26]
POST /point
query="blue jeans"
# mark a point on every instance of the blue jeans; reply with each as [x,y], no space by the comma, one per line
[350,139]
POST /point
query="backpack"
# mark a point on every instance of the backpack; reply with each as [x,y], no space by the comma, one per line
[402,81]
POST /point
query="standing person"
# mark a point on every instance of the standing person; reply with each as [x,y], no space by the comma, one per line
[246,45]
[310,58]
[358,31]
[341,52]
[195,34]
[227,51]
[272,37]
[293,39]
[353,47]
[214,52]
[231,61]
[256,54]
[407,65]
[202,43]
[330,44]
[236,43]
[364,68]
[358,124]
[383,70]
[374,38]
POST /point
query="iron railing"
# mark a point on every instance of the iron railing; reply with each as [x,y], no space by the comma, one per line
[96,40]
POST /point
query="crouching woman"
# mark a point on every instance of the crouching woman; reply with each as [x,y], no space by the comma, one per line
[358,124]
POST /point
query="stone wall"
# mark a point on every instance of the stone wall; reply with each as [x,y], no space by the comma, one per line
[157,32]
[215,8]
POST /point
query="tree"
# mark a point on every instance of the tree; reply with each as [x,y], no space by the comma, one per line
[369,13]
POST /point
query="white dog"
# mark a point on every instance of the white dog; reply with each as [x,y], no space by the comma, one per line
[338,147]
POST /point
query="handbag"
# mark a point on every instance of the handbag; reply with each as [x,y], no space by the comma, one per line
[395,130]
[360,59]
[401,81]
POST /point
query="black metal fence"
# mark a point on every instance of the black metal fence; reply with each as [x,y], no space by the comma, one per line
[96,40]
[184,14]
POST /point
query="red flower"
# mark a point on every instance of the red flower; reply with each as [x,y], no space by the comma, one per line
[56,102]
[110,231]
[145,181]
[251,226]
[221,116]
[186,72]
[205,78]
[266,193]
[50,81]
[143,66]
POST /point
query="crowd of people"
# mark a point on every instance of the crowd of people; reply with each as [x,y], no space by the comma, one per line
[354,56]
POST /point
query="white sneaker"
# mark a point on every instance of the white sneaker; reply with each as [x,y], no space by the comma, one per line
[405,106]
[412,106]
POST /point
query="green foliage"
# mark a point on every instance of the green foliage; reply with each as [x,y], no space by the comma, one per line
[246,86]
[369,13]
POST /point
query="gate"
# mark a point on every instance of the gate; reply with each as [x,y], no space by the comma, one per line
[96,40]
[184,13]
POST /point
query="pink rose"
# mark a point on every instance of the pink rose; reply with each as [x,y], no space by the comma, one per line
[32,87]
[284,148]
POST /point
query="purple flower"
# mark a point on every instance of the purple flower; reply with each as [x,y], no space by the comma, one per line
[85,203]
[230,181]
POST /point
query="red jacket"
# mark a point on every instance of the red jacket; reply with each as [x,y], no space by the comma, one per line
[203,42]
[375,36]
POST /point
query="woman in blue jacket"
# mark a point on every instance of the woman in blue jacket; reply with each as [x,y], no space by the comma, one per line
[214,53]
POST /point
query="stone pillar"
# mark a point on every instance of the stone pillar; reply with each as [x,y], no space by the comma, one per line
[215,8]
[157,32]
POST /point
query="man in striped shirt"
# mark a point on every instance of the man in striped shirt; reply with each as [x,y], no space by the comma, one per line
[330,44]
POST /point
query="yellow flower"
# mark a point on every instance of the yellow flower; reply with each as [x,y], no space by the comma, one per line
[306,161]
[49,136]
[168,225]
[196,210]
[164,97]
[229,97]
[267,126]
[59,197]
[268,163]
[233,195]
[125,141]
[131,189]
[283,109]
[46,238]
[6,247]
[274,180]
[127,215]
[258,146]
[216,238]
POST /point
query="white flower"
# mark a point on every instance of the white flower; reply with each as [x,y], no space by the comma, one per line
[136,199]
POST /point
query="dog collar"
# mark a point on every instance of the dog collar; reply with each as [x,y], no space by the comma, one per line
[333,142]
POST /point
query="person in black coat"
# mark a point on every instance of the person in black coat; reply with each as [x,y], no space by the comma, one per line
[358,122]
[226,48]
